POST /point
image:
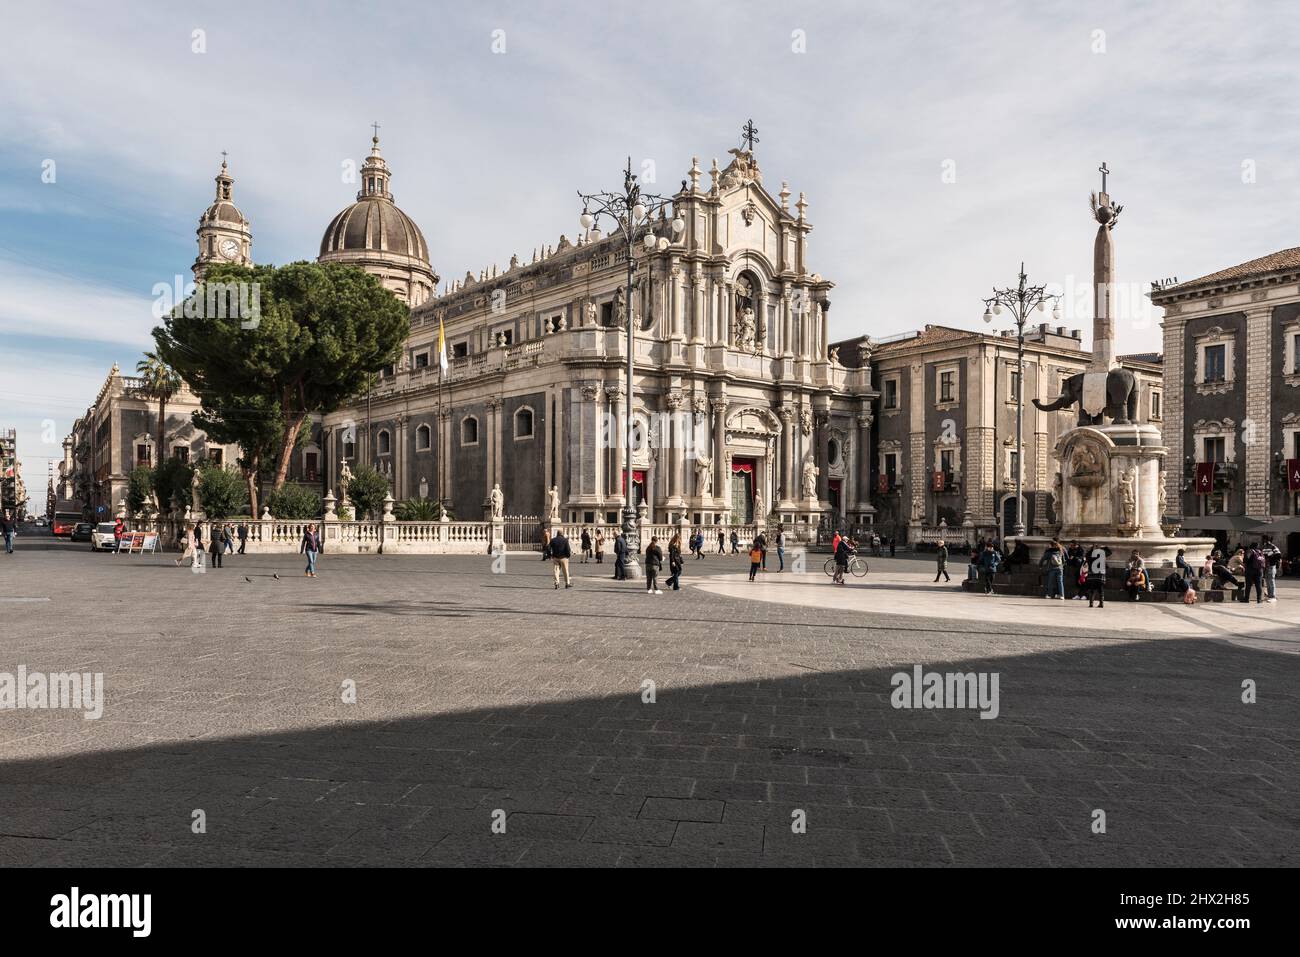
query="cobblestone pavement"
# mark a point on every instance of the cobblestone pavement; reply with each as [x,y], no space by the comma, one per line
[479,693]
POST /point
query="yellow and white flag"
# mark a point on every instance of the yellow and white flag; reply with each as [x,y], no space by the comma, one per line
[442,349]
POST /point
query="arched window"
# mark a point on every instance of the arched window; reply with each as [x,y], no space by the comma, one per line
[469,430]
[384,442]
[423,439]
[524,423]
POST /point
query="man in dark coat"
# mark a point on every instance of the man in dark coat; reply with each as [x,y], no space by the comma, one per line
[620,556]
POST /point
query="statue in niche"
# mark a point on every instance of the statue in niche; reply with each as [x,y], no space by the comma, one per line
[745,331]
[810,473]
[704,475]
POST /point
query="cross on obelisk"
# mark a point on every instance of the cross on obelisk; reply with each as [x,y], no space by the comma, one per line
[376,129]
[1104,173]
[223,158]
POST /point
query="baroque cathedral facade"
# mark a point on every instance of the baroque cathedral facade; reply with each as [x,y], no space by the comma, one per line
[739,409]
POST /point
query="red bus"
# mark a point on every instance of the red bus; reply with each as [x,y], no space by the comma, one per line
[64,522]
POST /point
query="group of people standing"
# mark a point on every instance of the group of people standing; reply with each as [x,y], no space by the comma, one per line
[221,542]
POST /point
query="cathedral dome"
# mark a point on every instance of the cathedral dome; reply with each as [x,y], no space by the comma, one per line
[375,235]
[374,224]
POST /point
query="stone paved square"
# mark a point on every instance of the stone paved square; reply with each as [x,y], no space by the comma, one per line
[482,697]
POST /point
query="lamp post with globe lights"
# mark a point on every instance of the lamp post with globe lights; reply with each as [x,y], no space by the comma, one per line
[630,212]
[1021,300]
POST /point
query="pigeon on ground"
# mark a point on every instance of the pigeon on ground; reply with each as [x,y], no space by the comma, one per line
[247,579]
[275,575]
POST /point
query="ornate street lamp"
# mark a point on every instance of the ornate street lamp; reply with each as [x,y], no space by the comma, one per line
[1021,300]
[630,212]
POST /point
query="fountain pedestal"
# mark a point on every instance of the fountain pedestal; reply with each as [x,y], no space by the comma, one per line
[1111,492]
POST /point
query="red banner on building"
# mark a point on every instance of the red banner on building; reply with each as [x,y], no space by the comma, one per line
[1293,474]
[1204,478]
[936,481]
[882,483]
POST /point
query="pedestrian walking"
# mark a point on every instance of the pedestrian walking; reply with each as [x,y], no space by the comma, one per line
[214,547]
[1075,559]
[760,542]
[119,529]
[585,542]
[546,544]
[780,546]
[9,528]
[1095,570]
[560,553]
[755,560]
[242,532]
[620,557]
[1273,561]
[941,559]
[722,543]
[310,547]
[600,547]
[654,560]
[1255,567]
[893,543]
[227,539]
[1053,561]
[989,561]
[675,563]
[735,542]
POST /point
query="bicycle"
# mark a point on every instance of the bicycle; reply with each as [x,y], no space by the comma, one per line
[857,566]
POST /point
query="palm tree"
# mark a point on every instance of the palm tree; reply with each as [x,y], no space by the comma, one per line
[161,382]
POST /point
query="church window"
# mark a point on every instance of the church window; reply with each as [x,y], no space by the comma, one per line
[460,350]
[384,443]
[423,439]
[1215,363]
[469,431]
[891,393]
[421,360]
[524,423]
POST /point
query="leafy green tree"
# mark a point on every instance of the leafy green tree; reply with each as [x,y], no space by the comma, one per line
[367,489]
[221,491]
[171,480]
[321,329]
[162,382]
[254,422]
[294,501]
[139,488]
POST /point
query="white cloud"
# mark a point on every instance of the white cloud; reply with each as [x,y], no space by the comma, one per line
[57,305]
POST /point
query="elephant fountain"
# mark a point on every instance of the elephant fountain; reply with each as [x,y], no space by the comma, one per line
[1112,394]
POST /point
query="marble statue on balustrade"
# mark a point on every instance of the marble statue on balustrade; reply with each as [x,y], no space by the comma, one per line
[498,503]
[760,508]
[345,479]
[196,480]
[553,504]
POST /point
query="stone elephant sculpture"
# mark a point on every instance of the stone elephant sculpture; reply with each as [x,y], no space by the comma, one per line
[1121,398]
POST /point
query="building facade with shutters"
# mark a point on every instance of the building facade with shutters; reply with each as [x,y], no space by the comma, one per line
[1232,391]
[945,455]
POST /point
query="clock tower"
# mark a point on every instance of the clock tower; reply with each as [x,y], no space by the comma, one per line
[224,233]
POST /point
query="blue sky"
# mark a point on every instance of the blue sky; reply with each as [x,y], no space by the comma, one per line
[1192,105]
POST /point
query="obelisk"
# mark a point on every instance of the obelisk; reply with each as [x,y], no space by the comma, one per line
[1103,279]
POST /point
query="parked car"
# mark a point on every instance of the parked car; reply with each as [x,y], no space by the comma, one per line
[102,537]
[82,532]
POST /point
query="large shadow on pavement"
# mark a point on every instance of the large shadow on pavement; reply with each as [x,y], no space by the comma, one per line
[1154,734]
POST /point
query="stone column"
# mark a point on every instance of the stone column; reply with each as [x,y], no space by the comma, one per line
[699,309]
[672,457]
[786,328]
[863,455]
[721,491]
[1259,395]
[493,426]
[399,457]
[677,280]
[825,343]
[614,392]
[561,445]
[788,494]
[591,471]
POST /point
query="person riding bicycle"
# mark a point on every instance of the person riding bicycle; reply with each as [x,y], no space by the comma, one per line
[843,553]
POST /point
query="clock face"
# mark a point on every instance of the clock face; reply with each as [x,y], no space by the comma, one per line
[229,248]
